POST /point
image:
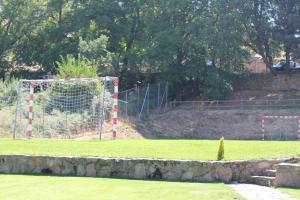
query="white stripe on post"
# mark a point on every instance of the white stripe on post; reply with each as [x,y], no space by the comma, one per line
[30,109]
[115,106]
[299,129]
[263,128]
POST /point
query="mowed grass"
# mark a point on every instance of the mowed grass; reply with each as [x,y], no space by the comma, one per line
[163,149]
[292,192]
[19,187]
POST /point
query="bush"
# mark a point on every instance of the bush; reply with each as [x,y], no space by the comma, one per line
[217,85]
[72,67]
[8,91]
[221,150]
[63,97]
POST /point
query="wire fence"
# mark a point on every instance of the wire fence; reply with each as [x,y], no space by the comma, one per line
[197,119]
[238,104]
[141,101]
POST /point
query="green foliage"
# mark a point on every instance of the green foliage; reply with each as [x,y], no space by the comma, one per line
[221,150]
[8,91]
[72,67]
[96,50]
[138,39]
[218,85]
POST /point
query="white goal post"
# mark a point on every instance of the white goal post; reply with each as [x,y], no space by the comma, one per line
[67,108]
[283,117]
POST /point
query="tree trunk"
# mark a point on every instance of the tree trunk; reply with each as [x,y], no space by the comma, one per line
[268,60]
[287,59]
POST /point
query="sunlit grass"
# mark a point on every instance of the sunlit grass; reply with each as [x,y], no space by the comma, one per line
[292,192]
[15,187]
[164,149]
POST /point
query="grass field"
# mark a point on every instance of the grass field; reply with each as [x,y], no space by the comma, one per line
[167,149]
[18,187]
[292,192]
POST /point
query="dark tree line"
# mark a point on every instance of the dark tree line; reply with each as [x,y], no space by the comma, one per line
[198,45]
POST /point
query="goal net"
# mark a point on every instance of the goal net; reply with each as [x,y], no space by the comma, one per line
[67,108]
[274,129]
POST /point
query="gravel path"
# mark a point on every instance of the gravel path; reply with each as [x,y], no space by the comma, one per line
[256,192]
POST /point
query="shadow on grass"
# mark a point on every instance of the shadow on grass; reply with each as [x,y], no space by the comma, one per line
[112,178]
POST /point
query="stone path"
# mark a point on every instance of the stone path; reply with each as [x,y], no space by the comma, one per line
[256,192]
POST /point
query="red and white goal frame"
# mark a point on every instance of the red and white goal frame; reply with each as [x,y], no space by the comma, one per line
[33,84]
[284,117]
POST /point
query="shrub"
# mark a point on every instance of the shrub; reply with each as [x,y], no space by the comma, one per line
[63,97]
[217,85]
[71,67]
[221,149]
[8,91]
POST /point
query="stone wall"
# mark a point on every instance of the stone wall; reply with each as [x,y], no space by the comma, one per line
[136,168]
[288,175]
[281,81]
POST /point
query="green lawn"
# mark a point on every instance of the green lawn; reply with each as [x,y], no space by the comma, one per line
[292,192]
[16,187]
[168,149]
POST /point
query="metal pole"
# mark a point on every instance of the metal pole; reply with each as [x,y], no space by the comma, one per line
[148,99]
[103,111]
[162,100]
[167,91]
[138,100]
[158,95]
[126,108]
[144,102]
[17,111]
[68,132]
[263,128]
[43,118]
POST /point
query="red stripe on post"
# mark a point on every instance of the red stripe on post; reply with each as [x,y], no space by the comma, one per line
[30,121]
[116,107]
[116,81]
[32,85]
[29,133]
[30,109]
[116,95]
[115,121]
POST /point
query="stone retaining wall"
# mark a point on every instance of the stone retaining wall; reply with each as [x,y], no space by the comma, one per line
[288,175]
[136,168]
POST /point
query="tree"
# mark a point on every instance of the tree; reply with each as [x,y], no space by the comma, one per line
[17,19]
[255,15]
[51,37]
[286,14]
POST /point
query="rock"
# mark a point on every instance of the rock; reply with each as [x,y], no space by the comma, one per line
[81,170]
[139,171]
[175,170]
[288,175]
[90,170]
[187,176]
[104,172]
[224,174]
[264,165]
[67,169]
[5,169]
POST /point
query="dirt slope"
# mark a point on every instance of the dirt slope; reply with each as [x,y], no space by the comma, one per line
[186,122]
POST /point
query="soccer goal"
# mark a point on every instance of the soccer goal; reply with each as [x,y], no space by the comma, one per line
[295,121]
[67,108]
